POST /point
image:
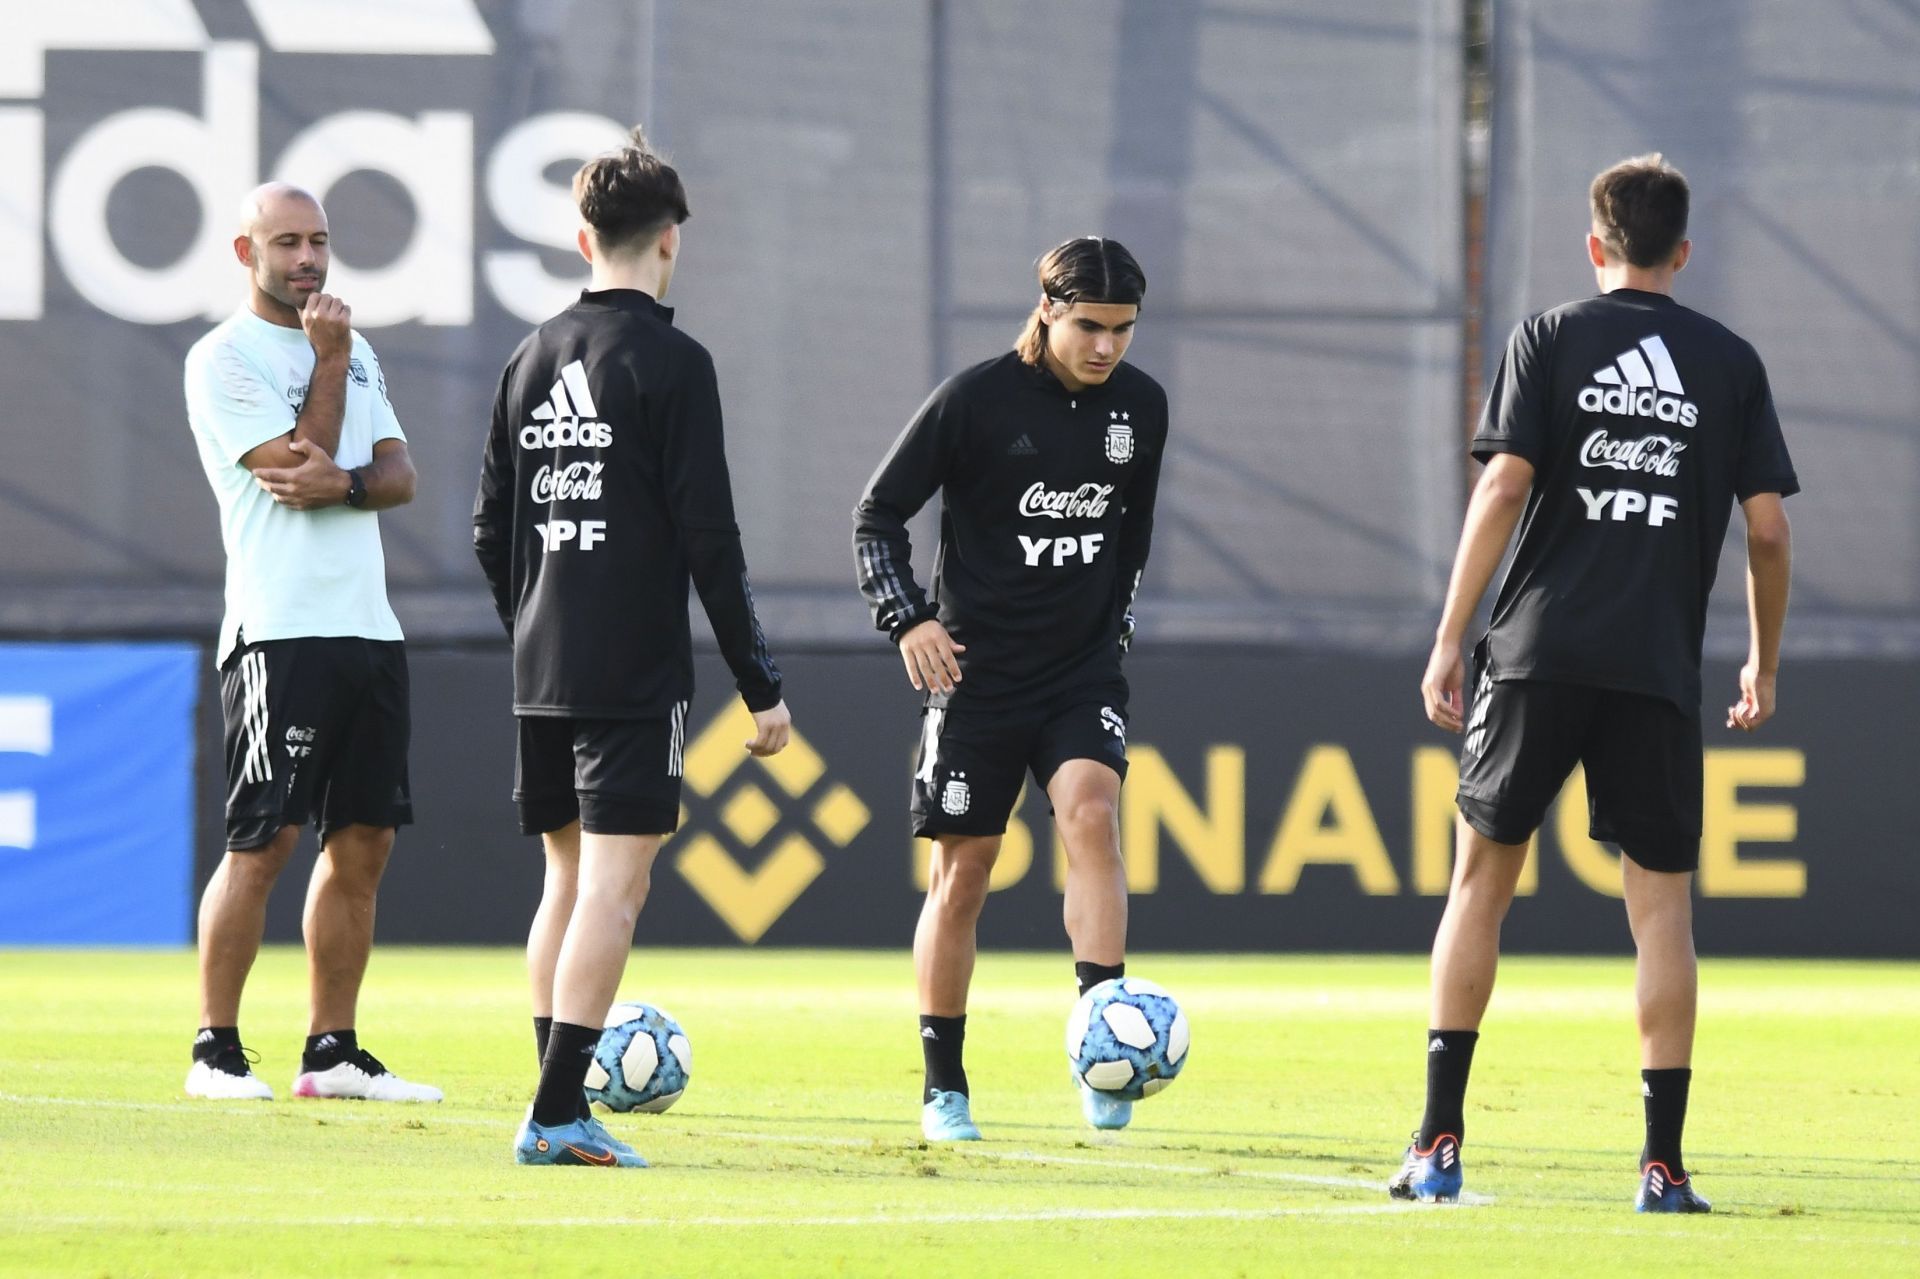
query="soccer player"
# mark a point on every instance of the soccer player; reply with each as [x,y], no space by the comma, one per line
[604,490]
[1047,460]
[290,413]
[1618,434]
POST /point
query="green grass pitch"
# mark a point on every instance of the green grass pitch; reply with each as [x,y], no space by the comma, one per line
[796,1151]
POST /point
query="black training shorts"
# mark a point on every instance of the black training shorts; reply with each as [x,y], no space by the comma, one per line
[316,731]
[616,776]
[972,760]
[1642,758]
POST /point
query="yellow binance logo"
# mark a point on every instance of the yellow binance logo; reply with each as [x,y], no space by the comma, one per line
[750,900]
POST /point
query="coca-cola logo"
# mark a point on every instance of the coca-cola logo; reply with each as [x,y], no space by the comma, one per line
[1088,502]
[574,482]
[1648,455]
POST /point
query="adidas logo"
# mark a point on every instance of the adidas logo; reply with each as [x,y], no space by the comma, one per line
[1641,382]
[1438,1045]
[1022,447]
[326,1043]
[926,1032]
[567,417]
[204,1037]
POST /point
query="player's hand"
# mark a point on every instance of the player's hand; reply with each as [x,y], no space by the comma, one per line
[772,729]
[1440,686]
[328,323]
[315,483]
[931,657]
[1755,706]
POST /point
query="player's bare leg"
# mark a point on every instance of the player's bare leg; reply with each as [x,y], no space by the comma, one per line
[1666,991]
[549,926]
[233,915]
[338,923]
[1086,812]
[1466,949]
[1666,972]
[945,946]
[610,885]
[944,943]
[614,875]
[1466,955]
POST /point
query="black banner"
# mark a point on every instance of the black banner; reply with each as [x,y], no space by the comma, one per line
[1276,801]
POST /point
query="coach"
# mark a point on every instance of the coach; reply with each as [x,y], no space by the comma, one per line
[300,443]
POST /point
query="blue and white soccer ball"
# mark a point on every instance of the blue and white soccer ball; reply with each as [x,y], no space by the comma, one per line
[1127,1037]
[643,1061]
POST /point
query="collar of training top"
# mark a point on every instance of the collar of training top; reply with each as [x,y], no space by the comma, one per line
[627,300]
[1643,295]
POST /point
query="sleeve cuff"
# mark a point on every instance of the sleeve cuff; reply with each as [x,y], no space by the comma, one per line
[1485,448]
[1785,486]
[248,443]
[909,620]
[761,699]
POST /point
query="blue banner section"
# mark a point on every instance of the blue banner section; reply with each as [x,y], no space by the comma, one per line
[96,792]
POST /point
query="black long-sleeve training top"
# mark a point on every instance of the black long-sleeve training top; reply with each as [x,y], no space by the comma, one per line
[603,491]
[1046,519]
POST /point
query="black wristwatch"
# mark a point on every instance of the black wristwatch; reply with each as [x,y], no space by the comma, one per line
[356,490]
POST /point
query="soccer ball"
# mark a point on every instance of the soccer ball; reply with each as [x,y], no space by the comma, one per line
[1127,1037]
[643,1060]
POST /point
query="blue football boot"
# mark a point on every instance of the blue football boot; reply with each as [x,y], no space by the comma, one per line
[1659,1192]
[1432,1175]
[584,1141]
[948,1117]
[1104,1110]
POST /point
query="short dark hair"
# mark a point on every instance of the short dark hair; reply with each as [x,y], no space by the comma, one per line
[631,195]
[1640,209]
[1088,268]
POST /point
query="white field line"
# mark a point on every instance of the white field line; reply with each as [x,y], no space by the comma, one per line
[432,1116]
[1260,1174]
[971,1151]
[860,1219]
[350,1114]
[330,1112]
[966,1150]
[1640,1230]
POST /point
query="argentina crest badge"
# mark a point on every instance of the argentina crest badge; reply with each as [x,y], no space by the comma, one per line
[1119,438]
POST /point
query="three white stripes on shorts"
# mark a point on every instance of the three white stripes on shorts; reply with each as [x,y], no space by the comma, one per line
[930,743]
[258,759]
[677,740]
[1477,724]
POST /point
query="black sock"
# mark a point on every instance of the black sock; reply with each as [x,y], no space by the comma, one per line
[941,1041]
[1449,1058]
[328,1049]
[1090,975]
[562,1096]
[542,1028]
[1665,1092]
[212,1039]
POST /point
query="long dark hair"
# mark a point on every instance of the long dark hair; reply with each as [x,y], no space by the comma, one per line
[1089,268]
